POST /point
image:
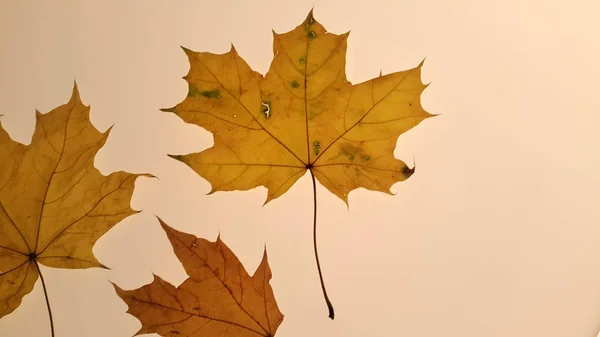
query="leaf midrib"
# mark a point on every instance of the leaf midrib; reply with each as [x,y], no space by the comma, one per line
[39,226]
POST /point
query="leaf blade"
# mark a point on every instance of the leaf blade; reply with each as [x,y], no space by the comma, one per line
[219,297]
[16,281]
[345,133]
[54,204]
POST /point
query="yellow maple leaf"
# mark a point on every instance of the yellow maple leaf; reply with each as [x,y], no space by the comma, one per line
[303,115]
[218,298]
[54,204]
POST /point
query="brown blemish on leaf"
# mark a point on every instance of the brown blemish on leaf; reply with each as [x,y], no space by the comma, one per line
[407,171]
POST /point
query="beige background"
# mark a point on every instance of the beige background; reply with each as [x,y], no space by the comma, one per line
[496,234]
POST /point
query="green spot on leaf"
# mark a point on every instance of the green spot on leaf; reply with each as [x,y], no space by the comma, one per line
[211,93]
[302,59]
[351,152]
[193,91]
[295,84]
[317,147]
[311,35]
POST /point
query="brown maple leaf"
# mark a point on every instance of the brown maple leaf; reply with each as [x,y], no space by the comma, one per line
[54,204]
[218,298]
[303,115]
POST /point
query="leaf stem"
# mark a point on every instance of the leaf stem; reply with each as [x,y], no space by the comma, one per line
[329,305]
[46,296]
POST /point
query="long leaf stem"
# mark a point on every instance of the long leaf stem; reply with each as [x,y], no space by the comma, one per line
[46,296]
[329,305]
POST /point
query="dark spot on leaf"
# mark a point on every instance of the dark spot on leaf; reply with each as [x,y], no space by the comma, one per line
[211,93]
[408,171]
[295,84]
[302,60]
[311,35]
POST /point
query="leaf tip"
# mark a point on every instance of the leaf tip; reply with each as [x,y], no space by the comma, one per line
[232,48]
[148,175]
[187,51]
[177,157]
[75,96]
[172,109]
[270,197]
[108,130]
[310,17]
[162,223]
[265,256]
[407,171]
[118,289]
[75,87]
[430,115]
[344,198]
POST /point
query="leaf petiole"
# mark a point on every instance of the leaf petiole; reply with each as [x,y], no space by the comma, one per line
[46,296]
[329,305]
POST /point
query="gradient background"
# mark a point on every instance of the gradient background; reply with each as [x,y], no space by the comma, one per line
[496,234]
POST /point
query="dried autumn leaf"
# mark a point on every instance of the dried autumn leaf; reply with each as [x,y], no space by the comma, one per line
[302,115]
[54,204]
[218,298]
